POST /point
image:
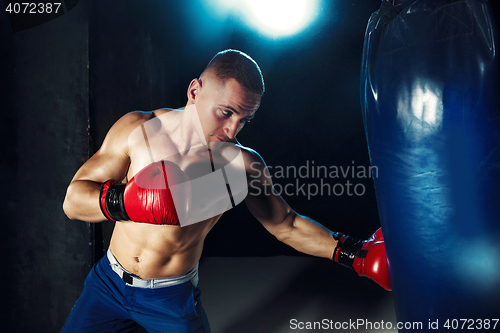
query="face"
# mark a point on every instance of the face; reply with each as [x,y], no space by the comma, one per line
[223,108]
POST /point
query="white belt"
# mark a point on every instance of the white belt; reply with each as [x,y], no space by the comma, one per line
[135,281]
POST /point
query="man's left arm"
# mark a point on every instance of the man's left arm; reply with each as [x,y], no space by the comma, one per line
[367,258]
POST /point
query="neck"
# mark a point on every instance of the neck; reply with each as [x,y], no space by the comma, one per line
[190,132]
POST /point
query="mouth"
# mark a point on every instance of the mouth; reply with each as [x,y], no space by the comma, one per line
[218,139]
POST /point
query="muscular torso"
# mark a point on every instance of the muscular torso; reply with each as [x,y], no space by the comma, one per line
[155,251]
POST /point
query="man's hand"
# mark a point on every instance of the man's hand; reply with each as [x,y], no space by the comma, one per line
[367,258]
[146,197]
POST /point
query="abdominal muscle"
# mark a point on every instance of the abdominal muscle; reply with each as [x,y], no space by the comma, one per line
[158,251]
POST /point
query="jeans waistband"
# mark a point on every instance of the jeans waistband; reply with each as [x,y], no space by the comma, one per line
[136,281]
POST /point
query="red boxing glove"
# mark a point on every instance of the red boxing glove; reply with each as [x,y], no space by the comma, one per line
[367,258]
[146,197]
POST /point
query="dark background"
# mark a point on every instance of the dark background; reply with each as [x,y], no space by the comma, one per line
[64,82]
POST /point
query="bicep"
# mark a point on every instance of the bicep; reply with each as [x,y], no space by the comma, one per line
[102,166]
[271,211]
[265,204]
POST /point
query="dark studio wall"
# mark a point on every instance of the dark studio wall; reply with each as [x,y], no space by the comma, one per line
[66,81]
[45,112]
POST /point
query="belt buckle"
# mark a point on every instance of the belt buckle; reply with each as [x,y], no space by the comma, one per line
[127,278]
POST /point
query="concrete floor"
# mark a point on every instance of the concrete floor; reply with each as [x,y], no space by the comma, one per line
[266,295]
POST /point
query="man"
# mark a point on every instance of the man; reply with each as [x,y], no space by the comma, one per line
[148,176]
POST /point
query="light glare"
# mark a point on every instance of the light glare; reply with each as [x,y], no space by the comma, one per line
[274,17]
[280,17]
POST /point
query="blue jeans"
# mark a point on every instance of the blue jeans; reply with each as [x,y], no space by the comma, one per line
[108,304]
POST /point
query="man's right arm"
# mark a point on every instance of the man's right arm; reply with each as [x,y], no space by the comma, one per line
[111,161]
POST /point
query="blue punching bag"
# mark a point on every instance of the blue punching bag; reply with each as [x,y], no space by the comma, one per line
[430,90]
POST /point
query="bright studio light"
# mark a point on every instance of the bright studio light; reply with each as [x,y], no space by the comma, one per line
[280,17]
[274,18]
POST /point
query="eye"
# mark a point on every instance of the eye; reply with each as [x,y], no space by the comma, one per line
[226,113]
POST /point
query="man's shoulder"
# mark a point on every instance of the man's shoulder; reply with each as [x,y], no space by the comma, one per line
[253,160]
[247,152]
[136,118]
[132,119]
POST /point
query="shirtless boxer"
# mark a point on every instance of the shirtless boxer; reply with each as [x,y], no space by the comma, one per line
[149,275]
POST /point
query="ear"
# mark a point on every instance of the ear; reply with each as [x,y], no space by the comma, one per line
[193,90]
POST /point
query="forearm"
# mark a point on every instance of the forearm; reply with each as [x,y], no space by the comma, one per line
[308,236]
[82,201]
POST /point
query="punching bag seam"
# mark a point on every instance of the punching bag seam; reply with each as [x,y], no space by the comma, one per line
[454,19]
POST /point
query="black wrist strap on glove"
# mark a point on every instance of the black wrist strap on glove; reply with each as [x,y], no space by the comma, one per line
[111,201]
[348,248]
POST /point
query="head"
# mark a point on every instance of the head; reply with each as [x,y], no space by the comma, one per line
[227,94]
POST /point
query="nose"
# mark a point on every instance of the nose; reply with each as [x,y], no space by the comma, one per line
[231,129]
